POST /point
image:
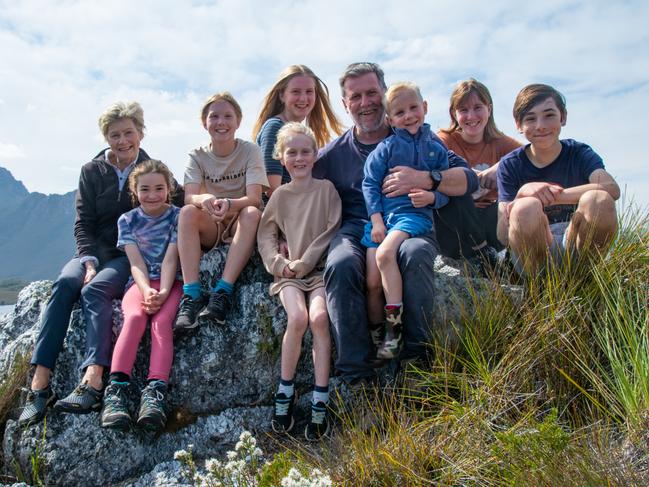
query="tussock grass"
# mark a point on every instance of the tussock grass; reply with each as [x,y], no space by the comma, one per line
[11,386]
[550,390]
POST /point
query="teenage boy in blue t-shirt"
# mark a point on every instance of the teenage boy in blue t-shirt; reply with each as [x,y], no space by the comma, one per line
[553,194]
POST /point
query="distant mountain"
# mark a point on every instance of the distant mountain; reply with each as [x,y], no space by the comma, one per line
[35,231]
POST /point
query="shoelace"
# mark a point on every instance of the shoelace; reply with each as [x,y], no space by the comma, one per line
[318,415]
[217,300]
[114,398]
[281,407]
[30,394]
[152,396]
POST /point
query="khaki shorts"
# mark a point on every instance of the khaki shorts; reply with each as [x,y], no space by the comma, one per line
[224,233]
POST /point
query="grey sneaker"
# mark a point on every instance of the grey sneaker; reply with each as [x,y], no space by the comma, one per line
[187,313]
[83,400]
[36,405]
[153,406]
[115,414]
[319,424]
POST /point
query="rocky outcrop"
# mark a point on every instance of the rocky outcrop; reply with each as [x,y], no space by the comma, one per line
[222,382]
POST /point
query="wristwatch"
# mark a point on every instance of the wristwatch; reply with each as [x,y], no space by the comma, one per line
[436,176]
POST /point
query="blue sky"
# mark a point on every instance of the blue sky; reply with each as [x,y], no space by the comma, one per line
[63,62]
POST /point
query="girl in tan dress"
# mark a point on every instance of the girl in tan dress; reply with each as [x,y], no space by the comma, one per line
[307,213]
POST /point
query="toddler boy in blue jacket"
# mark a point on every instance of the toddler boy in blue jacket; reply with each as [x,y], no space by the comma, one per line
[393,220]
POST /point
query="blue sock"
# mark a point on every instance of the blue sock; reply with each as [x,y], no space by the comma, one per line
[286,387]
[223,285]
[320,394]
[192,289]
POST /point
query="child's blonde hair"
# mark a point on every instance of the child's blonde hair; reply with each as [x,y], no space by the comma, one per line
[222,96]
[397,89]
[151,166]
[322,119]
[461,93]
[289,130]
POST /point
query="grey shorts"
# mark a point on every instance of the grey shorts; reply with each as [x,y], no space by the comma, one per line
[557,247]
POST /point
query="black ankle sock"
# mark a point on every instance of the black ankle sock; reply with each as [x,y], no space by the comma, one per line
[119,377]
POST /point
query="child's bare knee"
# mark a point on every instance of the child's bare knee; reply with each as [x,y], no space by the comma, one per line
[297,320]
[320,322]
[250,216]
[385,257]
[596,203]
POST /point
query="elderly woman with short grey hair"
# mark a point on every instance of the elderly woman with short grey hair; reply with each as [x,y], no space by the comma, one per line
[98,272]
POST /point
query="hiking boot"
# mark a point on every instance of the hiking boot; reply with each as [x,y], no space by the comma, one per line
[153,406]
[282,421]
[36,405]
[187,312]
[217,308]
[83,400]
[377,334]
[393,343]
[115,414]
[319,424]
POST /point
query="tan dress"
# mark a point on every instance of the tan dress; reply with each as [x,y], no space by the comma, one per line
[309,219]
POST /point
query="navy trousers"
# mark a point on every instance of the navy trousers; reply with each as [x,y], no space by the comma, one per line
[345,285]
[96,303]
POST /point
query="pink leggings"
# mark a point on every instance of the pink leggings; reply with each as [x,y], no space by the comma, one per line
[135,321]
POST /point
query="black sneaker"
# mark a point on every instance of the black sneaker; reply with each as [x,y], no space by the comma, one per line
[36,405]
[83,400]
[319,424]
[217,308]
[115,414]
[187,312]
[282,421]
[153,406]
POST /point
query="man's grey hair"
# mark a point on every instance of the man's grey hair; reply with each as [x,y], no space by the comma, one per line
[355,70]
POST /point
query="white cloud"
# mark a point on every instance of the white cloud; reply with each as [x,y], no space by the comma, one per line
[11,151]
[69,60]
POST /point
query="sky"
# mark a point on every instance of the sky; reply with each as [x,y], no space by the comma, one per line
[63,62]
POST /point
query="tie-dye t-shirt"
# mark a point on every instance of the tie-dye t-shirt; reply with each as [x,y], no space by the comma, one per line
[152,235]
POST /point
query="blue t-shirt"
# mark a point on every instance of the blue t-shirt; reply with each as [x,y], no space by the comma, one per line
[152,235]
[421,151]
[573,167]
[266,140]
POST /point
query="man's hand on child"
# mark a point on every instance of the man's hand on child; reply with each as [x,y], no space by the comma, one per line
[546,193]
[421,197]
[401,180]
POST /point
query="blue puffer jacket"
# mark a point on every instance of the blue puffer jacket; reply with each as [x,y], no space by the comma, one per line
[422,151]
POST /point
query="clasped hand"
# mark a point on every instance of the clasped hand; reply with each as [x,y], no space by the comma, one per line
[217,208]
[153,300]
[546,193]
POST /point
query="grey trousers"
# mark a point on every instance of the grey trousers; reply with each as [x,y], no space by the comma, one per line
[345,285]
